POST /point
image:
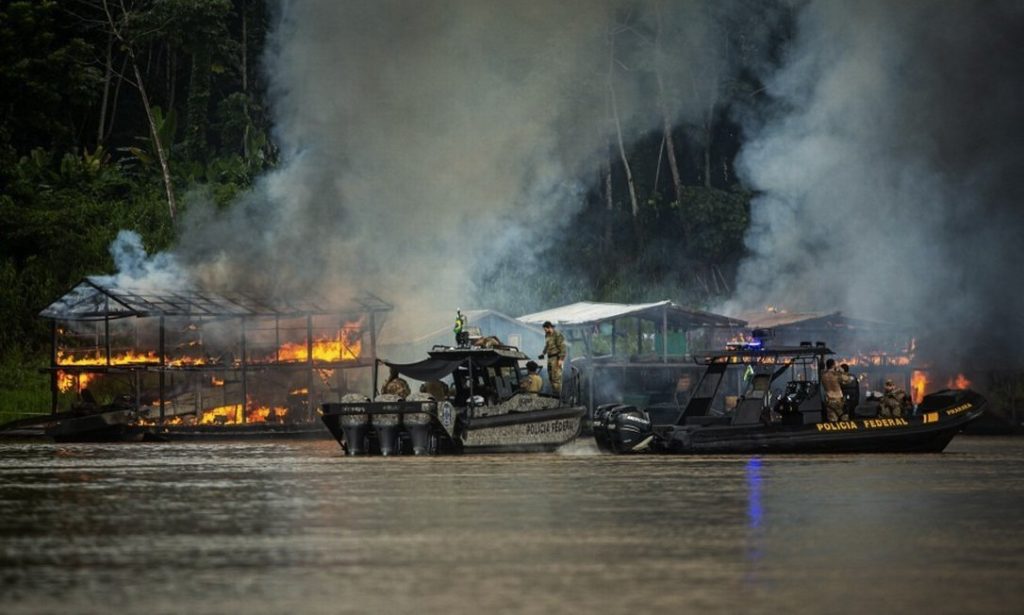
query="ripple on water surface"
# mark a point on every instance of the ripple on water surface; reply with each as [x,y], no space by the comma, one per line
[272,527]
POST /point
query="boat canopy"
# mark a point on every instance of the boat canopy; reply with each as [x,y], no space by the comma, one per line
[443,362]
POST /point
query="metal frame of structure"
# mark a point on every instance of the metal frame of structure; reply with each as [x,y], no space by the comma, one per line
[101,299]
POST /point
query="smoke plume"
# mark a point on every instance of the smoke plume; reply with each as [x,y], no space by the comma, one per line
[887,172]
[422,142]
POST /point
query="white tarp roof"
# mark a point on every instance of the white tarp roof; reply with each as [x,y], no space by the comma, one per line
[587,312]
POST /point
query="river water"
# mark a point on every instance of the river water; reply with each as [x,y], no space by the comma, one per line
[296,528]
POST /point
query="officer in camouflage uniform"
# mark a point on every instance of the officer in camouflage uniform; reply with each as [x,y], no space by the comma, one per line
[835,403]
[395,385]
[851,389]
[894,401]
[554,350]
[532,382]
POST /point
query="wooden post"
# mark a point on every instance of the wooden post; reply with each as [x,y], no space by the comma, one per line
[245,372]
[664,333]
[309,340]
[373,335]
[163,371]
[106,329]
[54,391]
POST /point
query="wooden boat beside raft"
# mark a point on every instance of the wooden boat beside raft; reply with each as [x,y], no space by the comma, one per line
[787,420]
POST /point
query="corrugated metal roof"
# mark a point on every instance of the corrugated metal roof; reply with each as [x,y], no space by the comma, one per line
[811,320]
[588,313]
[100,297]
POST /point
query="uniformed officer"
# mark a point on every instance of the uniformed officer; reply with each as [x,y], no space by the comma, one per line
[894,401]
[395,385]
[461,335]
[555,351]
[851,389]
[436,389]
[834,401]
[532,382]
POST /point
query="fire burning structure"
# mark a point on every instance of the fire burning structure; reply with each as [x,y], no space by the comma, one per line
[875,351]
[193,357]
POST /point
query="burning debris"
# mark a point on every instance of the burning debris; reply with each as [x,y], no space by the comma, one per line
[192,357]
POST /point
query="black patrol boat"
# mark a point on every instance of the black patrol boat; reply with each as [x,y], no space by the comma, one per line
[781,411]
[482,411]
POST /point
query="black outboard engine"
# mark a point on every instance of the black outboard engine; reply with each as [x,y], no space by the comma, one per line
[621,429]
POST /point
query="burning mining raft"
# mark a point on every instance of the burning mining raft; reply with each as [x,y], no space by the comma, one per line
[200,362]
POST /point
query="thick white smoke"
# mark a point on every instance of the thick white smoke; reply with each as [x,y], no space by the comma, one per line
[889,173]
[423,140]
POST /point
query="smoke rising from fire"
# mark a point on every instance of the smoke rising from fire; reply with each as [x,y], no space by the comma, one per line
[888,170]
[422,141]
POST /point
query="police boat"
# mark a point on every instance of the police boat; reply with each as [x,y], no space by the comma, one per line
[781,411]
[482,410]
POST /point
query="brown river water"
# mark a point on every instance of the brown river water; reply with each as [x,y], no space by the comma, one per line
[297,528]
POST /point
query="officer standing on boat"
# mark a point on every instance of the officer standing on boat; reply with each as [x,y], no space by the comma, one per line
[851,389]
[461,334]
[532,382]
[894,401]
[554,350]
[834,401]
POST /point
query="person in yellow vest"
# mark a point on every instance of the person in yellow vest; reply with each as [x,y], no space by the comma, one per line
[461,335]
[531,383]
[555,351]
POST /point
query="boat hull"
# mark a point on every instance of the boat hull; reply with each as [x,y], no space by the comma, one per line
[418,428]
[928,432]
[110,426]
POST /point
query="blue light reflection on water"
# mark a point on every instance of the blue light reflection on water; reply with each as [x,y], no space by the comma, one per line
[754,492]
[755,533]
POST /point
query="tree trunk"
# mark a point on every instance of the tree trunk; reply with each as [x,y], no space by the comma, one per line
[115,105]
[666,124]
[108,75]
[609,200]
[618,129]
[707,151]
[172,69]
[198,105]
[245,48]
[165,168]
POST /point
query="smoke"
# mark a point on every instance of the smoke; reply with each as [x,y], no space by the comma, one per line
[888,172]
[139,270]
[424,142]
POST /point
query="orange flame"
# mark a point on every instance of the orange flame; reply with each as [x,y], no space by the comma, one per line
[66,381]
[232,414]
[347,346]
[918,382]
[302,391]
[125,358]
[222,415]
[960,382]
[217,382]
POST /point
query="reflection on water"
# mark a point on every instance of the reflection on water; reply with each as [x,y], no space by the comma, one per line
[269,528]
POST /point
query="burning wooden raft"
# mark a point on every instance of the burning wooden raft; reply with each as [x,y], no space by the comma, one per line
[195,358]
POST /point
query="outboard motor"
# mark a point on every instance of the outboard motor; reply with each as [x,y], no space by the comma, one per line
[387,424]
[355,427]
[417,424]
[621,429]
